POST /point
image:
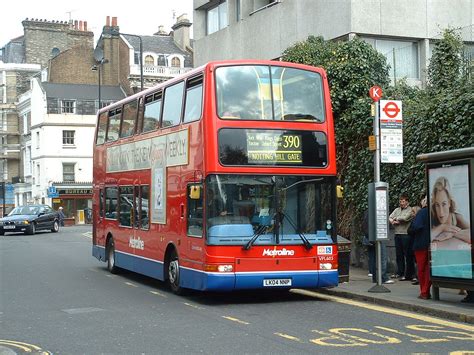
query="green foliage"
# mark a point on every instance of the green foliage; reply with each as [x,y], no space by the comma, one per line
[437,118]
[446,60]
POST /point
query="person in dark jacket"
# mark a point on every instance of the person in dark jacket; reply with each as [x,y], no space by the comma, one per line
[420,230]
[61,216]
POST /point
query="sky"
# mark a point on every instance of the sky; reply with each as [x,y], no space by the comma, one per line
[136,17]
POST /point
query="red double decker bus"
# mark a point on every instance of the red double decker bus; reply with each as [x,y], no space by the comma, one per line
[221,179]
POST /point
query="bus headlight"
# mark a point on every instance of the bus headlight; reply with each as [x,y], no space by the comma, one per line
[325,266]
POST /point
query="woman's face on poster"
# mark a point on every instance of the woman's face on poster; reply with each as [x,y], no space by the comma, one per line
[442,205]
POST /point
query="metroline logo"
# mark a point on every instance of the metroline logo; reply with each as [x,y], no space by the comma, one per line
[278,252]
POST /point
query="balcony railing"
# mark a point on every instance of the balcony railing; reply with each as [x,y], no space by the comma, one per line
[157,70]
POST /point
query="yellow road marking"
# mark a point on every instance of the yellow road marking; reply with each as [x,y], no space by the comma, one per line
[23,346]
[192,305]
[428,319]
[235,320]
[130,284]
[417,338]
[159,294]
[289,337]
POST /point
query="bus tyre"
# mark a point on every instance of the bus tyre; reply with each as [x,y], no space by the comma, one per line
[111,258]
[55,227]
[173,274]
[31,229]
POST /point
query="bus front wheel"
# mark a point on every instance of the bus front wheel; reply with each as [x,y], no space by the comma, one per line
[173,274]
[111,258]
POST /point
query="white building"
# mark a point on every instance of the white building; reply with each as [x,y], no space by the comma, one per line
[57,151]
[404,31]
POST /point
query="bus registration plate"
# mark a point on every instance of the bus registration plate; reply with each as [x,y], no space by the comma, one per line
[276,282]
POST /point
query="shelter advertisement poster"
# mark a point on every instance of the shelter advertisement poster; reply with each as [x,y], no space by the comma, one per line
[450,221]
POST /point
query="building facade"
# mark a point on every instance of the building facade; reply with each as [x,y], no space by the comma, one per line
[404,31]
[163,55]
[48,109]
[14,80]
[57,150]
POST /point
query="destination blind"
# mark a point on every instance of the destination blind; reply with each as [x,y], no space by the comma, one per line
[272,147]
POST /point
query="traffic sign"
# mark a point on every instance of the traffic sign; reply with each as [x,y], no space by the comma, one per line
[391,110]
[375,93]
[391,131]
[52,192]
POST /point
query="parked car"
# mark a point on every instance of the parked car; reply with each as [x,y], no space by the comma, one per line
[29,219]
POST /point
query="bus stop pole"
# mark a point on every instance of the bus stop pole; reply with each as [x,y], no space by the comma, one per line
[379,288]
[378,248]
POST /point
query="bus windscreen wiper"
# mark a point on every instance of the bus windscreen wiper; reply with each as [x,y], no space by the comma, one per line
[305,240]
[258,232]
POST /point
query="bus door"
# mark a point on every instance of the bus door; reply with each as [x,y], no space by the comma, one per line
[98,215]
[193,223]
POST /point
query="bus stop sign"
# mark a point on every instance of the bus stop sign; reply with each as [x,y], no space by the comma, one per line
[375,93]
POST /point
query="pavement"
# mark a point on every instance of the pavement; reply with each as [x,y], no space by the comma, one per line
[404,296]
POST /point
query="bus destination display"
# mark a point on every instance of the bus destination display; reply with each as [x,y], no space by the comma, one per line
[273,147]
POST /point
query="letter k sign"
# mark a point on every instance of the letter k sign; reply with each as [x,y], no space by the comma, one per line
[375,93]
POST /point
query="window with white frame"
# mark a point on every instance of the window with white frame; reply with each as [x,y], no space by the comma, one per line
[175,62]
[161,60]
[26,122]
[402,56]
[68,137]
[68,172]
[38,173]
[28,160]
[149,60]
[217,17]
[68,106]
[37,140]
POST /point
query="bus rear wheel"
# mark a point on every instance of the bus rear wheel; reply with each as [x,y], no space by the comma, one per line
[173,274]
[111,258]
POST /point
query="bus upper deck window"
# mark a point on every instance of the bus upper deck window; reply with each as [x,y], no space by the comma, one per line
[114,125]
[129,119]
[151,116]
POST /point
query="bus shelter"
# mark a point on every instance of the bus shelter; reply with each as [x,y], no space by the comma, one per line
[450,192]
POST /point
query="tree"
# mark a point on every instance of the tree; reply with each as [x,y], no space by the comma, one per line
[437,118]
[352,68]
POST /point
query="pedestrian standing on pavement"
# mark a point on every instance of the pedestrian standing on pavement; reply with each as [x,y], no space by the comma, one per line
[420,230]
[61,216]
[371,253]
[415,210]
[400,219]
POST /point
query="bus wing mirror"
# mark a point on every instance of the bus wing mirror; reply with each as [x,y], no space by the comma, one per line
[195,192]
[339,191]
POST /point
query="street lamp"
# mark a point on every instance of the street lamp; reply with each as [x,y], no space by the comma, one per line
[116,32]
[97,67]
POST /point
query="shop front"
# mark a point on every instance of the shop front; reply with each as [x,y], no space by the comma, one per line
[76,201]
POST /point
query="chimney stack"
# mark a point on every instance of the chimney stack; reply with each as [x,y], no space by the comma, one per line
[181,33]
